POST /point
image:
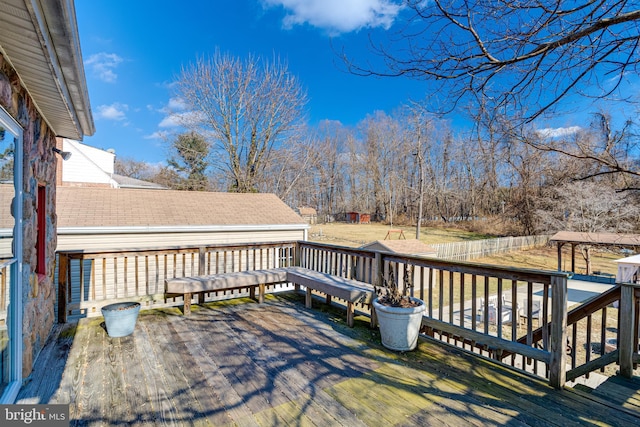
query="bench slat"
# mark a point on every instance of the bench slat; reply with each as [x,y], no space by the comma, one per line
[340,287]
[349,290]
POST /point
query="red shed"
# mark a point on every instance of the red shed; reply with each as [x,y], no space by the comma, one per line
[358,218]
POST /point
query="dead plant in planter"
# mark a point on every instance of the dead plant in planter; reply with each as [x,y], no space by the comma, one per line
[389,293]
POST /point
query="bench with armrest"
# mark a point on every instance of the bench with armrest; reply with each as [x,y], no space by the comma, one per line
[351,291]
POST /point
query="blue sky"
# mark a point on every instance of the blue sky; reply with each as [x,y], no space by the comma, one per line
[133,50]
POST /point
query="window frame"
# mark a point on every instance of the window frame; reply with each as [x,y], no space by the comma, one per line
[14,311]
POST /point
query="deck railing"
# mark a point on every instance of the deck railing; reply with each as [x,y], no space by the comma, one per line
[604,331]
[477,307]
[89,280]
[514,316]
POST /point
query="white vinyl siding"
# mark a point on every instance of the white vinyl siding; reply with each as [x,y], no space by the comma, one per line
[124,241]
[87,164]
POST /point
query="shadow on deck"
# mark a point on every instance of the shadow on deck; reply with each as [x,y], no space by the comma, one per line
[247,364]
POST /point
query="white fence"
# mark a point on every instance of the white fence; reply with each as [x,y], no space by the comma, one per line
[468,250]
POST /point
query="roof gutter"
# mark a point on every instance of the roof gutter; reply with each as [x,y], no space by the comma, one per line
[180,229]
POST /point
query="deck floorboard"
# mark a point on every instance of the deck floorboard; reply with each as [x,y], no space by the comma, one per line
[278,363]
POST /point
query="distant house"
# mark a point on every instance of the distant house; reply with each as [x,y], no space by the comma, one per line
[309,214]
[92,167]
[91,218]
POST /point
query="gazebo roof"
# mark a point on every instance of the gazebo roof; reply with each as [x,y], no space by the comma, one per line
[602,239]
[634,259]
[591,239]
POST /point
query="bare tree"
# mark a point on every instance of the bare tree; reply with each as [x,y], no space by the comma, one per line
[521,58]
[588,206]
[132,168]
[246,108]
[383,152]
[601,149]
[287,172]
[534,50]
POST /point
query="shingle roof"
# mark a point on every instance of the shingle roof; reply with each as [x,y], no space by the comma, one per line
[402,246]
[89,207]
[107,207]
[305,210]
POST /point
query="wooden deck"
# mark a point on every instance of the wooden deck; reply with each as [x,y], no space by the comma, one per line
[278,363]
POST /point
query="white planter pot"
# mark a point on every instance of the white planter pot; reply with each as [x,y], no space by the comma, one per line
[399,327]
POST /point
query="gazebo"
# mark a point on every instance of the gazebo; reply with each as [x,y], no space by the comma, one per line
[631,241]
[628,269]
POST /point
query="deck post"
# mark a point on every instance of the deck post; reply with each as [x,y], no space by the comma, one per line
[558,341]
[379,281]
[297,261]
[63,287]
[202,270]
[627,322]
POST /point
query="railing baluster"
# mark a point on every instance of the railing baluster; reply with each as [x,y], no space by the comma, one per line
[588,339]
[499,308]
[474,299]
[515,315]
[462,298]
[126,282]
[451,299]
[440,294]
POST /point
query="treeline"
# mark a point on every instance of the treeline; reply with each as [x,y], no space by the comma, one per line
[520,181]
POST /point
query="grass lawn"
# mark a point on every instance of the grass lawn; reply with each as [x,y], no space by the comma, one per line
[355,235]
[546,258]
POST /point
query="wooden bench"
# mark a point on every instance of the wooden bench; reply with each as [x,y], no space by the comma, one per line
[351,291]
[224,282]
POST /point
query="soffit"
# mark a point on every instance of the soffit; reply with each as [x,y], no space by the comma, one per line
[40,40]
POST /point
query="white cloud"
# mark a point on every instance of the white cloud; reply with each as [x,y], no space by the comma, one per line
[158,135]
[558,132]
[115,111]
[102,65]
[170,121]
[173,120]
[176,104]
[339,16]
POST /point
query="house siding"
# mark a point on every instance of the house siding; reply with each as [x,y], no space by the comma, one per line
[121,241]
[39,169]
[87,166]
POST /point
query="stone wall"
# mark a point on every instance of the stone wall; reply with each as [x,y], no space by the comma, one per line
[39,168]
